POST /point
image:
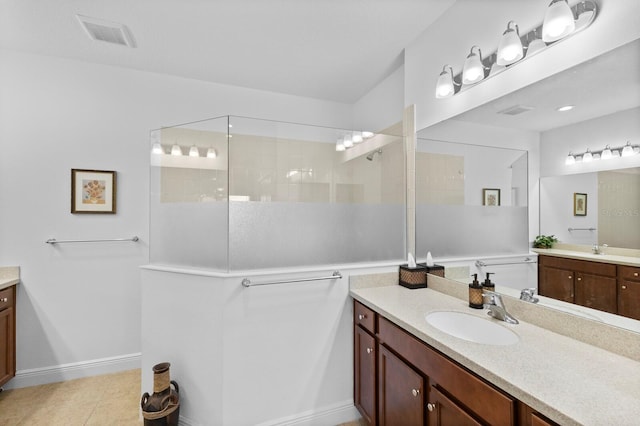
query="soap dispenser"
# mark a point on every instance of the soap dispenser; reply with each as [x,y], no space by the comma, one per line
[475,293]
[487,284]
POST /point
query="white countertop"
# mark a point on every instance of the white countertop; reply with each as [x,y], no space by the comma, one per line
[9,275]
[580,255]
[571,382]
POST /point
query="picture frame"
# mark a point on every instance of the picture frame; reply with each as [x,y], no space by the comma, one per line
[490,197]
[93,191]
[579,204]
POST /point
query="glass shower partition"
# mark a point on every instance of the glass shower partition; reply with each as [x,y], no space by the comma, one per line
[277,195]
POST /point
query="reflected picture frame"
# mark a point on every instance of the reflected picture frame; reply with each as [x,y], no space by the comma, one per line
[490,197]
[93,191]
[579,204]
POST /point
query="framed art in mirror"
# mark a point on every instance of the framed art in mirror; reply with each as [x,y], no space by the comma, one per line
[93,191]
[579,204]
[490,197]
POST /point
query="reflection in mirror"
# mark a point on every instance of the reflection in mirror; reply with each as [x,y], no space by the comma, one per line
[606,111]
[613,209]
[480,189]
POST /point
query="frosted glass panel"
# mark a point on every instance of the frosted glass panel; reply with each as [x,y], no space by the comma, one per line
[453,215]
[274,195]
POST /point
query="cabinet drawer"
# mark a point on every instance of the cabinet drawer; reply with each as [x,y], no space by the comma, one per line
[364,317]
[596,268]
[629,273]
[6,298]
[478,396]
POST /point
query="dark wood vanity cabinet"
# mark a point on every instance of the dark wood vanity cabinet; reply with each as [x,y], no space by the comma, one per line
[417,385]
[629,292]
[585,283]
[7,334]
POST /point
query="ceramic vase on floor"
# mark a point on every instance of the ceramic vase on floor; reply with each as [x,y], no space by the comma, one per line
[162,408]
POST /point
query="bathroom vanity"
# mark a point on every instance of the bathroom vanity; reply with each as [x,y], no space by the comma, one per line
[608,283]
[9,278]
[409,372]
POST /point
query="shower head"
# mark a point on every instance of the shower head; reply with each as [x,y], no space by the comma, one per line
[370,156]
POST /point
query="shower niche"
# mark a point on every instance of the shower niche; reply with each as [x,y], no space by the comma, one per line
[236,193]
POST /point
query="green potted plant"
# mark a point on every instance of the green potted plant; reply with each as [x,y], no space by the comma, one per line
[544,241]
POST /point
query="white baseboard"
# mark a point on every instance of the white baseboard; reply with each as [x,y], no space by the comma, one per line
[334,414]
[75,370]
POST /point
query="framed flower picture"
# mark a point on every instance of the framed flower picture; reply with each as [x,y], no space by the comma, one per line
[490,197]
[93,191]
[579,204]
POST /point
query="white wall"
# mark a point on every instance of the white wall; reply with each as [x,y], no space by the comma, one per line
[82,302]
[383,105]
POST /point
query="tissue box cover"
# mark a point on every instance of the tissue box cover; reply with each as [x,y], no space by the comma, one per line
[413,277]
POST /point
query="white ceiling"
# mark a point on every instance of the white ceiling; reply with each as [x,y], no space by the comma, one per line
[601,86]
[328,49]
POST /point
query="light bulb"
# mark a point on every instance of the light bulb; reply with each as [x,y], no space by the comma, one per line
[347,142]
[473,70]
[627,151]
[606,153]
[444,85]
[558,21]
[510,46]
[570,159]
[157,149]
[367,135]
[340,145]
[193,151]
[176,150]
[587,157]
[357,137]
[211,153]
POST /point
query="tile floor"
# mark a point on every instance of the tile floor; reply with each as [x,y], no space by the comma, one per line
[112,399]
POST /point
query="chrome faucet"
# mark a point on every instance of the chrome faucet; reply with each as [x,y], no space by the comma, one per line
[497,309]
[528,295]
[599,249]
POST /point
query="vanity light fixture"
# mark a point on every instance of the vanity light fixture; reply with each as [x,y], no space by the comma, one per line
[176,150]
[510,46]
[347,142]
[606,153]
[194,152]
[558,22]
[357,137]
[340,145]
[212,153]
[367,135]
[473,68]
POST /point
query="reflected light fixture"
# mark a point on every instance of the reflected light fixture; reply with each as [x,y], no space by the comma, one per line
[212,153]
[535,45]
[340,145]
[606,153]
[473,69]
[357,137]
[156,148]
[510,46]
[176,150]
[445,87]
[347,142]
[628,151]
[571,159]
[587,156]
[558,22]
[193,151]
[367,135]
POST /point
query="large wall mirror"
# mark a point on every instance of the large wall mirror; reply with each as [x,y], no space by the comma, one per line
[605,93]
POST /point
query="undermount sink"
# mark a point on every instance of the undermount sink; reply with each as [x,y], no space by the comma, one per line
[472,328]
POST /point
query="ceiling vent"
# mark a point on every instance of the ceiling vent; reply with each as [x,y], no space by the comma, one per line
[515,110]
[111,32]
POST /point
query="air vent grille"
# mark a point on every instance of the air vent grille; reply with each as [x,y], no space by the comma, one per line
[110,32]
[515,110]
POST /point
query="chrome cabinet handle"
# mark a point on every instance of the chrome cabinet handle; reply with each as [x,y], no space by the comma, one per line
[361,317]
[431,406]
[369,350]
[415,392]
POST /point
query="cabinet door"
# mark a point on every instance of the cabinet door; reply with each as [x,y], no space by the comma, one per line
[365,375]
[401,392]
[7,346]
[556,283]
[596,292]
[445,412]
[629,299]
